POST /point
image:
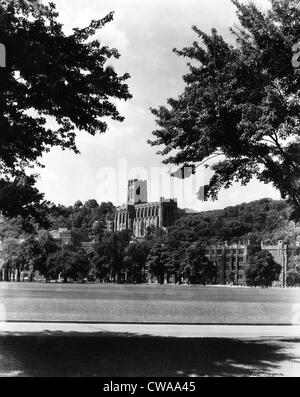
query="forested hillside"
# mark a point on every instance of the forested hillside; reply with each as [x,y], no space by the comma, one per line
[114,257]
[84,217]
[87,218]
[264,219]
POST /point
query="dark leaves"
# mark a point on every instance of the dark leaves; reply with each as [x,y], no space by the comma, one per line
[51,77]
[241,102]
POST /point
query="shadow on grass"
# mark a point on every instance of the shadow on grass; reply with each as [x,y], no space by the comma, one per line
[109,355]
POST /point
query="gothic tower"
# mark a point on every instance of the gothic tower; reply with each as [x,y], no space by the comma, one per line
[137,192]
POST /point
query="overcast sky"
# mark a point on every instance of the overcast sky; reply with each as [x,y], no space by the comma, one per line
[144,32]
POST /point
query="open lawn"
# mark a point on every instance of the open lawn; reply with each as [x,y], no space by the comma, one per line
[147,303]
[108,350]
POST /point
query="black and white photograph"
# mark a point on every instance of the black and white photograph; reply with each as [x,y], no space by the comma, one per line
[149,191]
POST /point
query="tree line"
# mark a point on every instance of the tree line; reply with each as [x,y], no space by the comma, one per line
[114,257]
[117,258]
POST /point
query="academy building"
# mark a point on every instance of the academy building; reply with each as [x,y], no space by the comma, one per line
[138,215]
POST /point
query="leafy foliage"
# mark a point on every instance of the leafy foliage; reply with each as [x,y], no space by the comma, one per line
[89,218]
[68,263]
[265,219]
[240,104]
[52,86]
[293,273]
[57,76]
[158,260]
[135,260]
[169,256]
[198,269]
[110,254]
[21,198]
[264,271]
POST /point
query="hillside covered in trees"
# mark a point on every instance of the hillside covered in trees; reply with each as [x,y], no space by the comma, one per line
[175,254]
[265,219]
[88,218]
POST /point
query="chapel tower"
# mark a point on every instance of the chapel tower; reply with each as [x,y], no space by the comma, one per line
[137,192]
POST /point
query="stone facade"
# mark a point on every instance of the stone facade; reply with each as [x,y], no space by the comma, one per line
[235,258]
[230,259]
[138,216]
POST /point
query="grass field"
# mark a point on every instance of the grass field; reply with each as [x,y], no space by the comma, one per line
[109,354]
[146,303]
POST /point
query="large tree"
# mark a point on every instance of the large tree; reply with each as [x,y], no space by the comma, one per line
[239,113]
[158,262]
[293,273]
[53,85]
[10,259]
[68,262]
[263,270]
[135,260]
[21,197]
[110,251]
[197,268]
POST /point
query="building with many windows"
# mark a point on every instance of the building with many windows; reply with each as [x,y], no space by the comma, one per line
[138,215]
[230,260]
[233,259]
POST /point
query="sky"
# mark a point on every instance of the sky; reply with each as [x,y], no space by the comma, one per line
[144,32]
